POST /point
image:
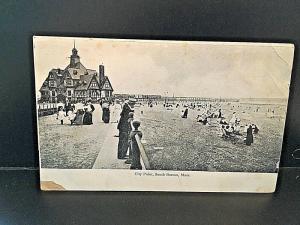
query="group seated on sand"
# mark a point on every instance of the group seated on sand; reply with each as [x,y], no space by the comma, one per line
[232,129]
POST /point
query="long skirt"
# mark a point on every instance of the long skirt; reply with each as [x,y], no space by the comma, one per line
[136,156]
[87,118]
[78,118]
[105,115]
[123,144]
[249,139]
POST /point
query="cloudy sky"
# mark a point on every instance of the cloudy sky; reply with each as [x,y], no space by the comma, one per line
[205,69]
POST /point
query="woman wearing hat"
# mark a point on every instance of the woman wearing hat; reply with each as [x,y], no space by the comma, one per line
[105,112]
[88,115]
[123,128]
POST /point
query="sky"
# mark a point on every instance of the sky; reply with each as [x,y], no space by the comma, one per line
[179,68]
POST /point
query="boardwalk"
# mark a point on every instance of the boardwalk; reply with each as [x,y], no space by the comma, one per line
[80,147]
[107,157]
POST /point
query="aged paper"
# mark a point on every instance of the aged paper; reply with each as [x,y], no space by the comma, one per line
[149,115]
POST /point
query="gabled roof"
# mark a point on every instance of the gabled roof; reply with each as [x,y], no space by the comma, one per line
[85,82]
[106,79]
[78,70]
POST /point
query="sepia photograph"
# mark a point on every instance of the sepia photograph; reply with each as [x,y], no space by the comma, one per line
[149,105]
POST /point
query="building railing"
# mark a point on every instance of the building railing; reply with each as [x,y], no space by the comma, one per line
[45,109]
[144,159]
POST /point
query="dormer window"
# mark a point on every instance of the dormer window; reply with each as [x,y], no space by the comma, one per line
[51,76]
[69,82]
[52,83]
[94,84]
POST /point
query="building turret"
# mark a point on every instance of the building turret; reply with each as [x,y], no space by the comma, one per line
[74,58]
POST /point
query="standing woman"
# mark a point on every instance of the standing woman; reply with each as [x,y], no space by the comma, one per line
[123,127]
[79,113]
[249,137]
[105,112]
[88,115]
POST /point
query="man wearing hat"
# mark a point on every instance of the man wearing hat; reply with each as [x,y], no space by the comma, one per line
[123,127]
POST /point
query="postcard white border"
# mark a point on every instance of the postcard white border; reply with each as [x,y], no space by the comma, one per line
[154,180]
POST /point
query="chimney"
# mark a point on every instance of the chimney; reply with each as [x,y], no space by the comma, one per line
[101,73]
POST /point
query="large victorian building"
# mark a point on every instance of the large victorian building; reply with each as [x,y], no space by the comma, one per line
[75,83]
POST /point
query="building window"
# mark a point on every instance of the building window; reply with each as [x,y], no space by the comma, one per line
[51,76]
[69,82]
[69,93]
[53,93]
[94,84]
[106,85]
[51,83]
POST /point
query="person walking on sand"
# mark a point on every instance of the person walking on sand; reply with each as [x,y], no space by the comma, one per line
[185,113]
[249,137]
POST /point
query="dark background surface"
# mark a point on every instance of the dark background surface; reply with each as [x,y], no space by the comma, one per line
[20,200]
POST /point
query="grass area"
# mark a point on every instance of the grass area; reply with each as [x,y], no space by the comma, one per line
[173,143]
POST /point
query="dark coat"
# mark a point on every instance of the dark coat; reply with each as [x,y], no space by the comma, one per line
[249,137]
[123,122]
[136,154]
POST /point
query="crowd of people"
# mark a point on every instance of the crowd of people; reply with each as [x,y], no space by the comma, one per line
[207,112]
[77,114]
[82,114]
[228,129]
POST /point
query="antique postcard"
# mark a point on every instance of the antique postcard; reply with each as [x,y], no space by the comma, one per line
[151,115]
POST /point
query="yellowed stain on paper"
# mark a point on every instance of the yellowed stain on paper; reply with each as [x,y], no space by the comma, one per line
[51,186]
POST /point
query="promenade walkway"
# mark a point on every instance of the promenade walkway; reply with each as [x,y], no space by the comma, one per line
[80,147]
[107,157]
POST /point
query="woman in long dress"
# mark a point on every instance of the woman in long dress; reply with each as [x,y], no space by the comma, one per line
[105,112]
[88,115]
[249,137]
[79,114]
